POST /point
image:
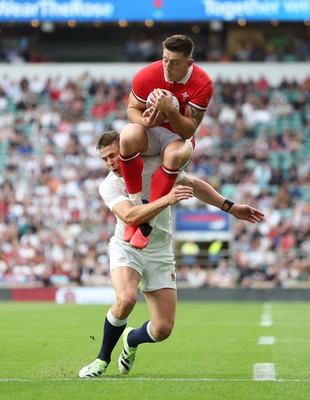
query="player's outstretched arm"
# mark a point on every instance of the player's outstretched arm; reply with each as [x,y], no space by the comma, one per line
[207,194]
[136,215]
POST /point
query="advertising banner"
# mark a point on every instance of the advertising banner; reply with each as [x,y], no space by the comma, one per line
[85,295]
[201,225]
[157,10]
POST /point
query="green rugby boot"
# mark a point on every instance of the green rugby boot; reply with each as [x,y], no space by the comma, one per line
[94,369]
[127,357]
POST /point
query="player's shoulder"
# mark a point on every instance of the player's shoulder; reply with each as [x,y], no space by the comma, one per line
[151,68]
[108,184]
[200,73]
[147,79]
[109,178]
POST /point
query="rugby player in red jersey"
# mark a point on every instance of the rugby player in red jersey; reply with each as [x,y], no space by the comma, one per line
[162,128]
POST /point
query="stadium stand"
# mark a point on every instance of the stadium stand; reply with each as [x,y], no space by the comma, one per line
[107,42]
[253,146]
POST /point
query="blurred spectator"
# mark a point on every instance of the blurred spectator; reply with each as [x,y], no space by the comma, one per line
[147,48]
[182,275]
[190,252]
[132,48]
[197,276]
[223,275]
[214,252]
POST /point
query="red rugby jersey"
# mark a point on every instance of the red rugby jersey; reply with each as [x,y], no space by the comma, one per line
[194,90]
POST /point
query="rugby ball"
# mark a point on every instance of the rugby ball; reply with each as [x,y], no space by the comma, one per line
[151,96]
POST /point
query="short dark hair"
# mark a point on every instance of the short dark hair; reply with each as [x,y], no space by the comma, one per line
[108,138]
[179,44]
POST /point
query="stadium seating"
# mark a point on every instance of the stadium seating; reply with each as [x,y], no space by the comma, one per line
[49,206]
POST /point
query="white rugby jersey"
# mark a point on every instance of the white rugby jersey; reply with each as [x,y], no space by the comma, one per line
[113,191]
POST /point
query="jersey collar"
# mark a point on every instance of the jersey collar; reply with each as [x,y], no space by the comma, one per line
[186,77]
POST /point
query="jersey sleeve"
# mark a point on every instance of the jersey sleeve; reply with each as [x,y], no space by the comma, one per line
[202,96]
[146,80]
[138,89]
[112,193]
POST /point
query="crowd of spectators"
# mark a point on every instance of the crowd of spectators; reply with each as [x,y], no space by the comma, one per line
[253,146]
[249,47]
[253,43]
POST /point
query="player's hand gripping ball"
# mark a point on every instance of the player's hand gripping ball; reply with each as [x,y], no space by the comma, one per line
[151,97]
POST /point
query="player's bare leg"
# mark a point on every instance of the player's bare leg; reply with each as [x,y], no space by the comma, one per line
[125,281]
[162,306]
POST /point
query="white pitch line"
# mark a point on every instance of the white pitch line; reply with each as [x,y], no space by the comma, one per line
[264,372]
[146,379]
[266,319]
[127,379]
[266,340]
[293,340]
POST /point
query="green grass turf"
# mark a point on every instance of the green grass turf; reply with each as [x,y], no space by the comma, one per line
[210,354]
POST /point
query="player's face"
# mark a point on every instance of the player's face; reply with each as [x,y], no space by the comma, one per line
[175,65]
[110,156]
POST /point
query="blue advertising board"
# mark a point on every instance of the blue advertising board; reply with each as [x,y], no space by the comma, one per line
[157,10]
[201,225]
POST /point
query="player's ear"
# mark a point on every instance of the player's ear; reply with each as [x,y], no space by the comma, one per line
[190,62]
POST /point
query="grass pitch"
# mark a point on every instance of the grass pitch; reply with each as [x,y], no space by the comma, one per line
[211,354]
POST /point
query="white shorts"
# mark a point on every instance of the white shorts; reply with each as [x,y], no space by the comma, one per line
[156,266]
[159,138]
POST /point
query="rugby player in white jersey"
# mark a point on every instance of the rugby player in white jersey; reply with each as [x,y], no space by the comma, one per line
[153,268]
